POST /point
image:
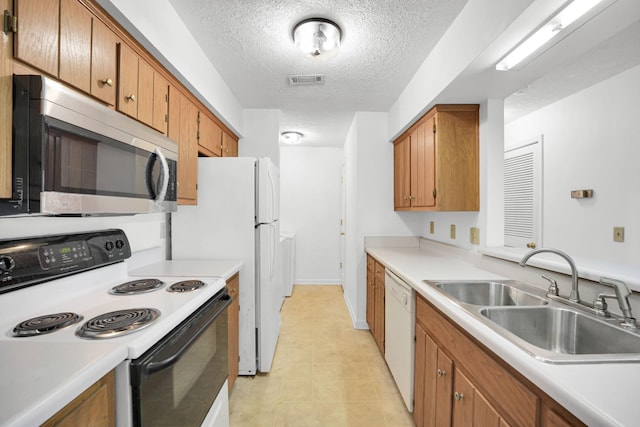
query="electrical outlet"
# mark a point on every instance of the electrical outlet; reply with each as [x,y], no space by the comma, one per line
[474,236]
[432,226]
[453,231]
[618,234]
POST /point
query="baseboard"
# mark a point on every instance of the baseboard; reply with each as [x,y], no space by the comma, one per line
[357,324]
[317,282]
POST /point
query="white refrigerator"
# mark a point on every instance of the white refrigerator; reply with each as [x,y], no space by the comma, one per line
[237,217]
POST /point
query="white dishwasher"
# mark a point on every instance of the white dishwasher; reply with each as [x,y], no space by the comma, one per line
[399,333]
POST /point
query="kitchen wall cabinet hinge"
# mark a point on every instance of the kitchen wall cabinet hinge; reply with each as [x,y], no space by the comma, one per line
[198,135]
[434,193]
[166,97]
[198,117]
[166,118]
[10,23]
[434,128]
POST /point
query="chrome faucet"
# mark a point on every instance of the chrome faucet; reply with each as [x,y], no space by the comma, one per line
[574,296]
[622,292]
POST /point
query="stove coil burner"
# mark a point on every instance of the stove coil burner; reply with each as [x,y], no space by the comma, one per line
[137,287]
[186,286]
[118,323]
[46,324]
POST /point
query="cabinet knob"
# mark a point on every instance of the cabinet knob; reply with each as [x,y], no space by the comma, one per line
[441,373]
[531,245]
[458,396]
[131,97]
[107,82]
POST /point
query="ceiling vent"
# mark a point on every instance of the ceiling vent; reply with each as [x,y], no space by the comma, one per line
[306,79]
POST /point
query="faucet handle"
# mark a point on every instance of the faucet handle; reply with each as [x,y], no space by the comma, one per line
[553,285]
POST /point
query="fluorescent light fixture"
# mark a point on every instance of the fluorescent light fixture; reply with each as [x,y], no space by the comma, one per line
[555,25]
[291,138]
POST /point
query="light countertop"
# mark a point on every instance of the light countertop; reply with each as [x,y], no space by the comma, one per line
[38,379]
[598,394]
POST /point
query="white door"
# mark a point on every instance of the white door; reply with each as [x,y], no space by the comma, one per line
[268,292]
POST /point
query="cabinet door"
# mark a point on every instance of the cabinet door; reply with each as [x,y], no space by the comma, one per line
[75,44]
[210,136]
[371,292]
[233,287]
[173,130]
[401,174]
[229,145]
[37,39]
[423,165]
[444,390]
[128,81]
[378,332]
[104,58]
[425,379]
[94,407]
[188,153]
[145,92]
[463,396]
[160,102]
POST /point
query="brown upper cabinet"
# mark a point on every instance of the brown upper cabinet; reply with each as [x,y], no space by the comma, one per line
[436,162]
[229,145]
[37,39]
[209,136]
[104,58]
[188,153]
[75,44]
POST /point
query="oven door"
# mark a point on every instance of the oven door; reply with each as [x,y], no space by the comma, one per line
[178,379]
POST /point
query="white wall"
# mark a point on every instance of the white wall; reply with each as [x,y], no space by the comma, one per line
[478,24]
[261,134]
[310,207]
[143,231]
[156,25]
[590,142]
[369,165]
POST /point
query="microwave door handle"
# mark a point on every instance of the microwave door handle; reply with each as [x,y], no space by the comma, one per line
[165,176]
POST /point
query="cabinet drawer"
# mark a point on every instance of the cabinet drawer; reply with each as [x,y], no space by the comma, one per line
[515,402]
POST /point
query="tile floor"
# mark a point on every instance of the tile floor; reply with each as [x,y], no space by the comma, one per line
[325,373]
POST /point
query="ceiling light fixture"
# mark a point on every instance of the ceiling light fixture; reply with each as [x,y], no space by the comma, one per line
[291,138]
[553,27]
[318,37]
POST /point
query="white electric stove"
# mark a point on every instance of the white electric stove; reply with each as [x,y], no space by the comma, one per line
[74,279]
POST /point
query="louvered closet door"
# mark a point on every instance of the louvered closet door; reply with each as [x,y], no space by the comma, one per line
[523,195]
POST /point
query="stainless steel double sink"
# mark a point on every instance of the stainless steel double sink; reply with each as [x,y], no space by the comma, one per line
[548,330]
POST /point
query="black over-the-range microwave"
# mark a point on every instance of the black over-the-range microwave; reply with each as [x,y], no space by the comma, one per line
[75,156]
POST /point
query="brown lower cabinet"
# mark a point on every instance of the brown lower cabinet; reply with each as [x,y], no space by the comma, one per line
[233,287]
[458,382]
[375,300]
[94,407]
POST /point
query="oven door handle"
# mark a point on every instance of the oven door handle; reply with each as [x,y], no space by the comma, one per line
[182,341]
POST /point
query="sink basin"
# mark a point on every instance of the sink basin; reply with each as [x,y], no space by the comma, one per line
[487,293]
[565,332]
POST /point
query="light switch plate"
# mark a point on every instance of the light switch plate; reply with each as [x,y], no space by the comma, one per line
[453,231]
[618,234]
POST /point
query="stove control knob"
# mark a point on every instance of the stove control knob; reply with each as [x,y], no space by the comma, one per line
[109,245]
[7,263]
[119,243]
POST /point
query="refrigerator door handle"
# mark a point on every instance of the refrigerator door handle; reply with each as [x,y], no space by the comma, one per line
[272,186]
[272,261]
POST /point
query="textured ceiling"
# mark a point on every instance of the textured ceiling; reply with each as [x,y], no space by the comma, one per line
[383,44]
